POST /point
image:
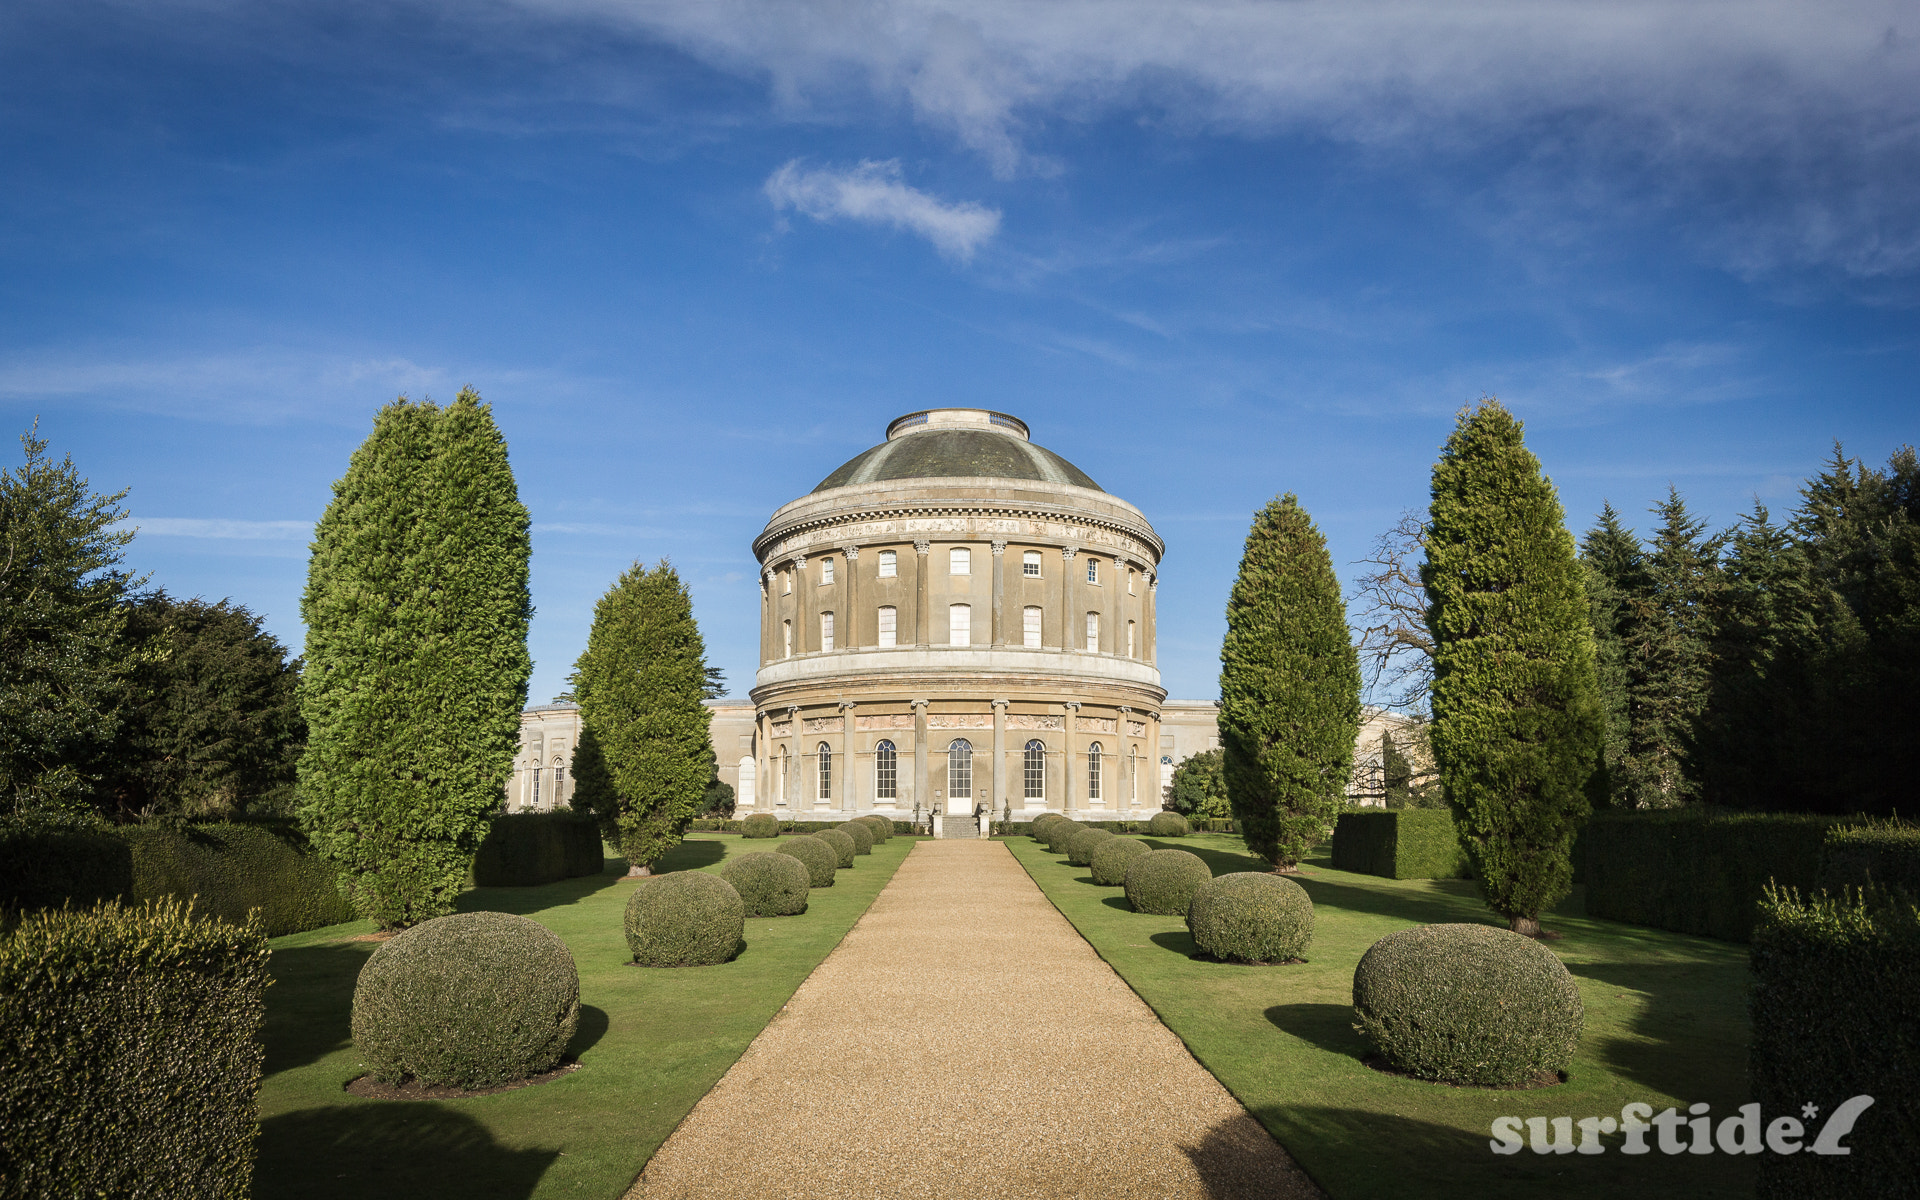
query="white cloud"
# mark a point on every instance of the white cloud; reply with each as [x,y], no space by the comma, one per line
[875,192]
[246,386]
[200,527]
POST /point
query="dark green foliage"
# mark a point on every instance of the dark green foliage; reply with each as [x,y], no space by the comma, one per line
[1614,573]
[416,667]
[528,849]
[49,863]
[1695,871]
[684,919]
[861,833]
[843,845]
[1082,844]
[1836,984]
[1163,881]
[1037,829]
[1517,726]
[1878,852]
[130,1053]
[1168,824]
[820,859]
[62,660]
[1060,832]
[770,884]
[718,800]
[1251,916]
[1467,1004]
[1112,857]
[1200,785]
[472,1000]
[212,725]
[1289,687]
[1418,843]
[882,828]
[760,825]
[1396,773]
[641,687]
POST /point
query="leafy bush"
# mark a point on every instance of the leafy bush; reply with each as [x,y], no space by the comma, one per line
[1168,824]
[1879,852]
[760,825]
[1081,845]
[770,885]
[843,845]
[861,833]
[1163,881]
[882,828]
[820,859]
[1836,984]
[1199,786]
[1467,1004]
[130,1053]
[1415,843]
[684,919]
[1111,858]
[529,849]
[1060,832]
[472,1000]
[1251,916]
[1038,828]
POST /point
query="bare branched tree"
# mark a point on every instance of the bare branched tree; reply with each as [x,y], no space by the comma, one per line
[1396,651]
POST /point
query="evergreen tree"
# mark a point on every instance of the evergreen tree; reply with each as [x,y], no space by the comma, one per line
[416,666]
[1614,574]
[1395,771]
[644,757]
[62,661]
[1517,726]
[1289,687]
[1199,787]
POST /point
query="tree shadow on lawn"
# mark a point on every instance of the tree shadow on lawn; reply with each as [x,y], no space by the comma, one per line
[378,1150]
[691,856]
[1328,1026]
[310,1007]
[523,901]
[1690,1028]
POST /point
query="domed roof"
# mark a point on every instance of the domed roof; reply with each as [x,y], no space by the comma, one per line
[957,443]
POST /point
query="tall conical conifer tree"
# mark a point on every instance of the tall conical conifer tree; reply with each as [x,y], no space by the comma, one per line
[1517,726]
[1615,575]
[416,659]
[1289,687]
[1668,653]
[645,755]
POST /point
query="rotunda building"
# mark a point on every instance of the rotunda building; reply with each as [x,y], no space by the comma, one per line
[957,620]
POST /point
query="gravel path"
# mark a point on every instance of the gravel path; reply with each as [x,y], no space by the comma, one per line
[965,1041]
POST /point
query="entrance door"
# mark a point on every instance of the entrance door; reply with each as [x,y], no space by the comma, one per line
[960,778]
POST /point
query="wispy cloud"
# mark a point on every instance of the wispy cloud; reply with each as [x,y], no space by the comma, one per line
[875,192]
[253,385]
[204,527]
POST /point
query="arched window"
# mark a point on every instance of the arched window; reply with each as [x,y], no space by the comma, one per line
[559,780]
[960,624]
[959,561]
[826,631]
[826,570]
[886,772]
[826,771]
[1030,564]
[1036,770]
[786,639]
[889,564]
[1093,771]
[960,769]
[889,624]
[1093,632]
[1030,626]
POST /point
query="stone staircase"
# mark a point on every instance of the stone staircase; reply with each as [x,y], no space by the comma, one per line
[958,826]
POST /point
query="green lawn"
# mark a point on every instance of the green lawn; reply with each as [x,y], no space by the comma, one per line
[1665,1024]
[651,1043]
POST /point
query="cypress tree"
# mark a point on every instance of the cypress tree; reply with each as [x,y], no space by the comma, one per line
[1289,687]
[416,659]
[645,756]
[1517,727]
[1614,574]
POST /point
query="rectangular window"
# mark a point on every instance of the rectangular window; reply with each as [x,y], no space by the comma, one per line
[888,616]
[786,639]
[1030,564]
[1093,772]
[960,561]
[960,624]
[559,782]
[536,787]
[1030,627]
[1131,574]
[1093,570]
[786,582]
[889,564]
[826,631]
[1129,639]
[1093,632]
[826,570]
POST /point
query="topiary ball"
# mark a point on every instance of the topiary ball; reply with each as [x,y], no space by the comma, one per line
[1059,832]
[862,835]
[842,843]
[882,827]
[770,885]
[820,859]
[1080,846]
[1251,916]
[684,919]
[473,1000]
[1467,1004]
[1110,859]
[1168,824]
[1037,829]
[760,825]
[1163,881]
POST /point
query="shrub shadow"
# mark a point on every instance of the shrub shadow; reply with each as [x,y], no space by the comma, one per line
[522,901]
[395,1149]
[310,1007]
[592,1027]
[1220,862]
[1328,1026]
[692,855]
[1179,941]
[1119,902]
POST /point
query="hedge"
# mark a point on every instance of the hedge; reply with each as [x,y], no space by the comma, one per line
[528,849]
[819,858]
[1080,846]
[842,843]
[1111,859]
[770,884]
[1251,916]
[1405,843]
[716,825]
[46,866]
[130,1053]
[1836,984]
[861,833]
[1026,828]
[1169,824]
[1879,852]
[1163,881]
[684,919]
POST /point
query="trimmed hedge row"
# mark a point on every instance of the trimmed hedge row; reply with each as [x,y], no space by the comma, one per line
[130,1053]
[1026,828]
[684,919]
[781,825]
[1836,984]
[1879,852]
[1252,917]
[1405,843]
[529,849]
[819,858]
[770,885]
[1164,881]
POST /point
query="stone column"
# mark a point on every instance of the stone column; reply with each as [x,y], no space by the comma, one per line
[1116,609]
[997,800]
[921,796]
[847,625]
[1072,624]
[1069,802]
[802,611]
[848,801]
[796,798]
[1154,799]
[1152,620]
[769,616]
[1122,775]
[764,784]
[999,594]
[920,552]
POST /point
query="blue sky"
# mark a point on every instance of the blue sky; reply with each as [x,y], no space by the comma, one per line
[698,255]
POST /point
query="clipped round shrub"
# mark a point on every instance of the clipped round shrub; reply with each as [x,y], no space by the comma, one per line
[1467,1004]
[861,833]
[882,827]
[1163,881]
[684,919]
[1169,824]
[1251,916]
[1059,832]
[1037,828]
[820,859]
[770,885]
[1110,859]
[842,843]
[473,1000]
[1080,846]
[760,825]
